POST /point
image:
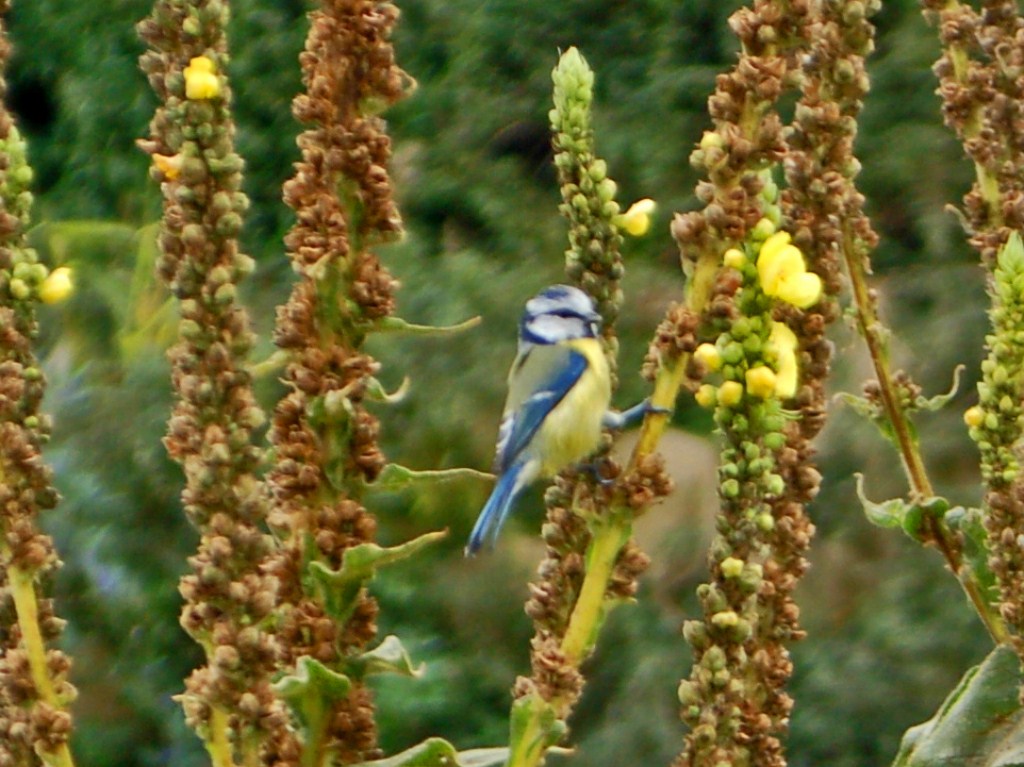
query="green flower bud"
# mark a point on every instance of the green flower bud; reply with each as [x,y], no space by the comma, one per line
[730,488]
[696,634]
[19,289]
[688,693]
[775,484]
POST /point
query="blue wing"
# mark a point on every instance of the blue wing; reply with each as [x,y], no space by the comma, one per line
[540,379]
[496,510]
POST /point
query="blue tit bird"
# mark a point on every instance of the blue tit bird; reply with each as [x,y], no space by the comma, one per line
[559,391]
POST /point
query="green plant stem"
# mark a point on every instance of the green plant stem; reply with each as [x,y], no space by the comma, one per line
[217,744]
[602,553]
[27,609]
[528,749]
[670,375]
[920,485]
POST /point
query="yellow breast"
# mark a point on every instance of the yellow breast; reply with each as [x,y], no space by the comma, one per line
[572,430]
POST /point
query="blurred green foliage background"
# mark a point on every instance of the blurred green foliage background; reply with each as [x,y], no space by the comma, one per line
[889,631]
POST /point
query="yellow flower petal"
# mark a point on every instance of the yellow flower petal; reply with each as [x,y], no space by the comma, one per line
[778,265]
[783,342]
[169,165]
[637,219]
[761,381]
[802,289]
[57,286]
[201,80]
[775,243]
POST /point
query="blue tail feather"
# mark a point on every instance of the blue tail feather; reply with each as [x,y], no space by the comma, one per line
[496,510]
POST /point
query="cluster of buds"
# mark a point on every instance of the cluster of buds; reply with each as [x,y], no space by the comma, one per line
[757,356]
[995,423]
[34,689]
[981,95]
[229,596]
[324,438]
[596,224]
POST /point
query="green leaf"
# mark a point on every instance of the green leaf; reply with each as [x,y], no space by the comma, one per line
[396,477]
[940,400]
[398,325]
[1011,255]
[980,724]
[534,728]
[340,588]
[312,691]
[376,392]
[899,513]
[970,524]
[484,757]
[433,752]
[885,514]
[389,657]
[437,752]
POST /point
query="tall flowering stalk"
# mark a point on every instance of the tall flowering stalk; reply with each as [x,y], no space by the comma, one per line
[324,438]
[228,597]
[35,722]
[764,305]
[591,562]
[981,91]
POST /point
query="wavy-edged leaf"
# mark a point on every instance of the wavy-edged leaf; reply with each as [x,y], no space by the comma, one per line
[939,400]
[886,514]
[437,752]
[340,588]
[312,691]
[397,477]
[980,724]
[899,513]
[389,657]
[398,325]
[534,727]
[376,392]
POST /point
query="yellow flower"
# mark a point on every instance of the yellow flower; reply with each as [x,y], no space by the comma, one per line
[734,258]
[974,417]
[201,80]
[169,165]
[783,273]
[761,381]
[709,356]
[57,286]
[783,342]
[801,290]
[730,393]
[637,219]
[706,396]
